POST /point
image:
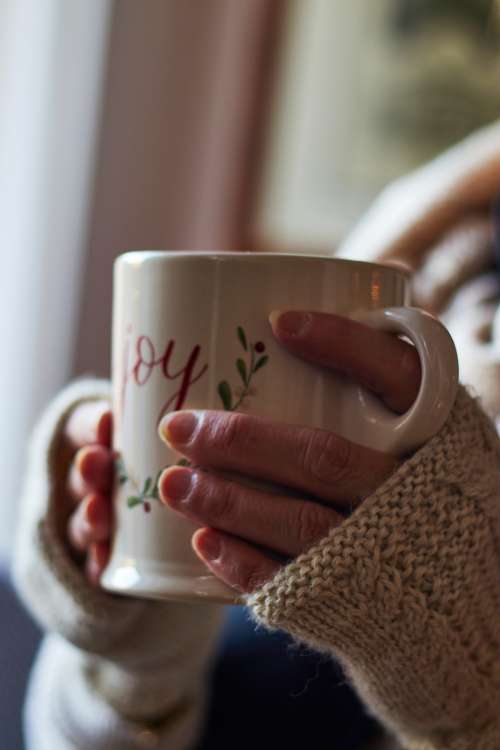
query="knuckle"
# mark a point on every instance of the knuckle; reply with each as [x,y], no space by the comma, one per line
[409,364]
[328,458]
[75,482]
[410,371]
[220,501]
[76,534]
[252,578]
[227,432]
[403,382]
[313,523]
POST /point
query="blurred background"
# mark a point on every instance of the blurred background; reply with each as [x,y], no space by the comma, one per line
[230,124]
[256,125]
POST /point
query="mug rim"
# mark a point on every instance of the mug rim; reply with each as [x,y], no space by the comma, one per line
[245,256]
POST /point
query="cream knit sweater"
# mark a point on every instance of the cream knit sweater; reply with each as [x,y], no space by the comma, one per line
[113,673]
[406,593]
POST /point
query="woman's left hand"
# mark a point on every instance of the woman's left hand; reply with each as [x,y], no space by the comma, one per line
[248,534]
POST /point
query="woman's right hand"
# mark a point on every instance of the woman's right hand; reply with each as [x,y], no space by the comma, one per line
[90,477]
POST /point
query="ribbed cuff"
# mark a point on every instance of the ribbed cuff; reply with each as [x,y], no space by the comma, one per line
[51,584]
[405,592]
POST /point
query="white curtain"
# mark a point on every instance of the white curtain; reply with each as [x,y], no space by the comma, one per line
[52,65]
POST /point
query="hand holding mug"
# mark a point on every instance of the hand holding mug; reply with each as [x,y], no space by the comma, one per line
[248,534]
[87,437]
[191,332]
[331,473]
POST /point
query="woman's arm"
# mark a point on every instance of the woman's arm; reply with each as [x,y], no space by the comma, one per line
[406,592]
[416,211]
[112,672]
[395,567]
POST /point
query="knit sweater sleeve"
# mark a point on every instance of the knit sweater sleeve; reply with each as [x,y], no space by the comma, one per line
[406,593]
[113,672]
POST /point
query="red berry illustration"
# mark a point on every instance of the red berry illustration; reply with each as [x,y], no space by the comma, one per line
[149,490]
[247,366]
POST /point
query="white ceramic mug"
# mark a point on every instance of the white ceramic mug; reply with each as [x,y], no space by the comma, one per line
[191,330]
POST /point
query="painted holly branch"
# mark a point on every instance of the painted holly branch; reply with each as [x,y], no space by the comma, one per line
[246,371]
[149,490]
[255,360]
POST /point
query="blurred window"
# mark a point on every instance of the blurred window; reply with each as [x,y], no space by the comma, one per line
[367,91]
[51,63]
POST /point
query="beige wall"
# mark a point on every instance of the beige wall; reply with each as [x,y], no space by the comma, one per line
[176,140]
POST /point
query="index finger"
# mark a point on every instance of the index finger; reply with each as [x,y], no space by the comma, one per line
[89,423]
[378,361]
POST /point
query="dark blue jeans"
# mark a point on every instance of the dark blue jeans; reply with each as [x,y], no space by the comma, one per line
[265,692]
[268,693]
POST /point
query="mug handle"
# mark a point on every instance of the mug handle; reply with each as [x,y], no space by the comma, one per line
[400,435]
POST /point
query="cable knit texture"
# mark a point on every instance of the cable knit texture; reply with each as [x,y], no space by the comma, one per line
[406,592]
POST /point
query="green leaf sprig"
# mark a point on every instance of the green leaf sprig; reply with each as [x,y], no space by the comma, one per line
[256,359]
[251,362]
[149,490]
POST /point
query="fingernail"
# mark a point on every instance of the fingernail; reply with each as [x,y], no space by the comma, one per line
[94,511]
[88,509]
[103,429]
[291,323]
[94,466]
[175,484]
[208,546]
[177,428]
[93,567]
[80,458]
